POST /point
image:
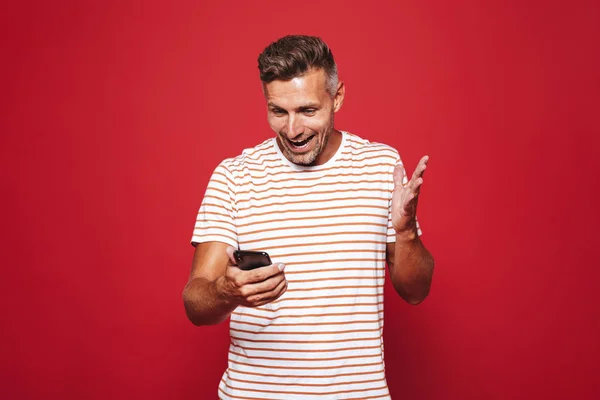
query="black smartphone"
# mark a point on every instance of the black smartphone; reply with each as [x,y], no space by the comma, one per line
[248,260]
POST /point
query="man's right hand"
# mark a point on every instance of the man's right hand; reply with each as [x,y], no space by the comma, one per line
[251,288]
[216,286]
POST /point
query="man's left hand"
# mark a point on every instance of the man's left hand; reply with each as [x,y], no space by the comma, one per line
[406,197]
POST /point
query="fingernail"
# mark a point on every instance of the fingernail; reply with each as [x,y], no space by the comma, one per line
[281,267]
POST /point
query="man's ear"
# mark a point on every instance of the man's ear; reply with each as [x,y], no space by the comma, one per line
[338,99]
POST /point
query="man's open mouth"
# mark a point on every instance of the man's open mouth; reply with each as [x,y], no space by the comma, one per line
[302,144]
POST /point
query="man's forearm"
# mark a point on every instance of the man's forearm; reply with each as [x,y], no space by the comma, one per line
[412,268]
[204,304]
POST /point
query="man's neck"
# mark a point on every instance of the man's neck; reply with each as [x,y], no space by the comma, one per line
[331,147]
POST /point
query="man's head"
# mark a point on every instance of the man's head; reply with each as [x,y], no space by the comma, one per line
[302,90]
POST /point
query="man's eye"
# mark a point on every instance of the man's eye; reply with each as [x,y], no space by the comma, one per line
[310,111]
[278,111]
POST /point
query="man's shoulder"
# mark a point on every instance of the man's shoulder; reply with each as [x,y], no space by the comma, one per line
[256,155]
[359,145]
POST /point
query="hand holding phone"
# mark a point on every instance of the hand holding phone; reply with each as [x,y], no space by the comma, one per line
[251,279]
[248,260]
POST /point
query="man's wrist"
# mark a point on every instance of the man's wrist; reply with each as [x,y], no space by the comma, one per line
[407,235]
[221,290]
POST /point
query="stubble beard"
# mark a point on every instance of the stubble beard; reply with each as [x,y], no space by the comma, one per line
[307,160]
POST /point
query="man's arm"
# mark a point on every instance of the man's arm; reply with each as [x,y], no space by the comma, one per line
[216,287]
[411,267]
[409,262]
[203,299]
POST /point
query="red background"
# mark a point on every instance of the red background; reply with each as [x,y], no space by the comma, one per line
[114,114]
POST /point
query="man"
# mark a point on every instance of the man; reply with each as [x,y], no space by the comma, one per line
[330,208]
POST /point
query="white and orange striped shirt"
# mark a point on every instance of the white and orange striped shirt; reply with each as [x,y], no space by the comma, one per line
[329,224]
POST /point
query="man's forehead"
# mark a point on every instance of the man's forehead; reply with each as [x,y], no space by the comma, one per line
[312,82]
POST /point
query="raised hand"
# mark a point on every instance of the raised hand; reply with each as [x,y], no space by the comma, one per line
[406,197]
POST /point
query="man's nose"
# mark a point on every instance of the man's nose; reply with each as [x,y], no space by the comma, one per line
[294,127]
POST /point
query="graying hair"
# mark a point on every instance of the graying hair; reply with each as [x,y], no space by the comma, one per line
[293,55]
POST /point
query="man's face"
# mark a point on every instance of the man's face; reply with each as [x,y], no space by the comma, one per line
[301,112]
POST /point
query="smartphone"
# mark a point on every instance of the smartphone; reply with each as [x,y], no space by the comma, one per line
[248,260]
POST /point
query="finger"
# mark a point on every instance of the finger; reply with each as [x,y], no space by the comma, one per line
[263,273]
[409,201]
[267,297]
[421,166]
[256,289]
[281,289]
[410,206]
[414,183]
[416,189]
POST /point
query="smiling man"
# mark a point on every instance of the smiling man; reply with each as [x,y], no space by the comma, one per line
[330,208]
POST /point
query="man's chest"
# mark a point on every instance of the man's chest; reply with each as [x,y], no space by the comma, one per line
[324,207]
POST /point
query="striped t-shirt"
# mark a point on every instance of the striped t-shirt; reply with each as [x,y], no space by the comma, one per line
[329,224]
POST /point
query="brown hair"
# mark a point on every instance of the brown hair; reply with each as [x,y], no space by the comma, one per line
[293,55]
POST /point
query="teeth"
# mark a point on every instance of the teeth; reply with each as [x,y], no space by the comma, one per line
[302,143]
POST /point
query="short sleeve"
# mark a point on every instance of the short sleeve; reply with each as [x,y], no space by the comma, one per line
[391,233]
[216,217]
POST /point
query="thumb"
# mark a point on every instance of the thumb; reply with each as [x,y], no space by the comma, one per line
[229,252]
[398,175]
